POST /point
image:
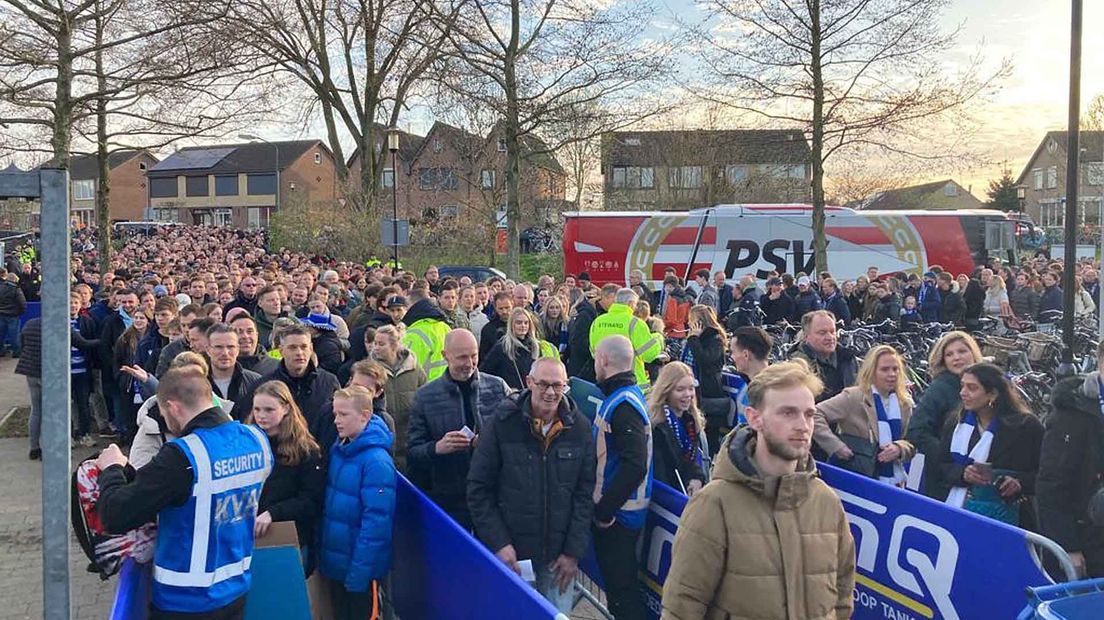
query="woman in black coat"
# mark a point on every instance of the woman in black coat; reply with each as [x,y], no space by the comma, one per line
[295,489]
[679,454]
[974,298]
[513,355]
[705,352]
[997,482]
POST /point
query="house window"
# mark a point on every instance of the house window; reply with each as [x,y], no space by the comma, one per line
[164,215]
[164,187]
[226,185]
[142,165]
[437,146]
[685,177]
[223,217]
[1052,177]
[633,177]
[387,181]
[448,178]
[257,217]
[260,184]
[950,190]
[196,186]
[450,211]
[429,213]
[437,178]
[487,179]
[502,145]
[736,174]
[794,172]
[1094,173]
[318,159]
[1038,179]
[84,189]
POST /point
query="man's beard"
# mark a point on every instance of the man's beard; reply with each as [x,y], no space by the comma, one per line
[783,450]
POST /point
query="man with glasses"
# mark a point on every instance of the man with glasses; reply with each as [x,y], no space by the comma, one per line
[246,296]
[531,481]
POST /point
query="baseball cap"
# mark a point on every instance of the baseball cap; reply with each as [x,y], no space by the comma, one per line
[160,290]
[395,301]
[929,274]
[774,282]
[803,281]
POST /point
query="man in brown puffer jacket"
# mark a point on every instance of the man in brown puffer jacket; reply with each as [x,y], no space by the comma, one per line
[766,538]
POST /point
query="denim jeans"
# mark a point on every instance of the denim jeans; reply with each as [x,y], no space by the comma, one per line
[550,590]
[9,332]
[81,391]
[34,424]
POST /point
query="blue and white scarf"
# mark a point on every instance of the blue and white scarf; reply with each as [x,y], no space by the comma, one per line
[685,441]
[127,319]
[889,431]
[960,443]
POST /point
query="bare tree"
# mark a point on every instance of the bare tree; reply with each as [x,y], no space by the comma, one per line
[536,63]
[849,73]
[1093,120]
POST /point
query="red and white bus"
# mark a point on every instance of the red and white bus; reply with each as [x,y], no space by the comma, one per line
[758,239]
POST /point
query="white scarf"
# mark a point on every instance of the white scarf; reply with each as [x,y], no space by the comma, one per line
[960,441]
[885,435]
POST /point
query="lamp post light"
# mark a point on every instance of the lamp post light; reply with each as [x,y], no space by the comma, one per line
[276,165]
[1073,152]
[393,146]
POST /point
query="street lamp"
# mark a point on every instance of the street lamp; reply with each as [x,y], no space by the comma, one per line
[249,136]
[1073,153]
[393,146]
[1021,196]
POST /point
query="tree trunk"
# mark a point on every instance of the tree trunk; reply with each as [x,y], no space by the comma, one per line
[103,185]
[820,242]
[62,129]
[511,129]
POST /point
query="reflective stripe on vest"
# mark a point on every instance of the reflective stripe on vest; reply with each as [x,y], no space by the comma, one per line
[429,365]
[208,513]
[631,513]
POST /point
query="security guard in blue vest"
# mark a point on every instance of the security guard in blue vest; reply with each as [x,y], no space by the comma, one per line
[623,439]
[203,488]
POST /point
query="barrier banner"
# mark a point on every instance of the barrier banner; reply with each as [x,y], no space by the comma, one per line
[916,558]
[33,311]
[586,395]
[441,571]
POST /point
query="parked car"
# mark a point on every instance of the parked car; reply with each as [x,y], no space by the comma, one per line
[476,273]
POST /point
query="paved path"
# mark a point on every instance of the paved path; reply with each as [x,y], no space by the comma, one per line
[21,528]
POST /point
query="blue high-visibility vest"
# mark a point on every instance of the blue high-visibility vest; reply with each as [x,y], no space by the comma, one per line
[633,511]
[204,547]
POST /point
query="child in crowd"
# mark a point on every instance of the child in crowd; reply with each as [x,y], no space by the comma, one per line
[360,507]
[910,315]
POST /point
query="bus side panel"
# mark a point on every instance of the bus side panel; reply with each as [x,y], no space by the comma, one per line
[952,242]
[599,246]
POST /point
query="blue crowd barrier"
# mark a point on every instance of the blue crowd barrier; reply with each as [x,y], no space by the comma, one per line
[440,571]
[916,558]
[33,311]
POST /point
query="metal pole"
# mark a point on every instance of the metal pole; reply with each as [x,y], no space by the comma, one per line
[394,211]
[1072,179]
[277,175]
[56,459]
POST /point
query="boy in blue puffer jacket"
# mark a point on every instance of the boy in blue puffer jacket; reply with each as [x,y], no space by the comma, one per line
[357,518]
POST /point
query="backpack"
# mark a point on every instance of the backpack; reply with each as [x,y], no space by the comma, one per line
[106,552]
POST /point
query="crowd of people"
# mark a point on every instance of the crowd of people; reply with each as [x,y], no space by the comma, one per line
[301,386]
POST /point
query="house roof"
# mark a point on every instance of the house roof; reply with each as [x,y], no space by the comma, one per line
[409,144]
[929,196]
[705,147]
[540,154]
[85,167]
[1092,148]
[233,158]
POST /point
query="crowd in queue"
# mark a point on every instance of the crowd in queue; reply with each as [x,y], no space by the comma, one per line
[319,381]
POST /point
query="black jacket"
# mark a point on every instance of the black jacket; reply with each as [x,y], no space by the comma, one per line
[379,319]
[12,300]
[838,372]
[667,457]
[855,304]
[889,307]
[311,392]
[327,348]
[776,310]
[580,363]
[974,298]
[925,427]
[84,338]
[261,363]
[436,410]
[1071,469]
[724,299]
[110,330]
[627,427]
[489,336]
[708,351]
[837,305]
[30,342]
[540,500]
[294,493]
[167,354]
[512,371]
[1051,301]
[242,384]
[954,308]
[130,498]
[241,301]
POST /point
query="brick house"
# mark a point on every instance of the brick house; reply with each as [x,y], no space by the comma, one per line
[127,177]
[679,170]
[939,195]
[1043,180]
[237,184]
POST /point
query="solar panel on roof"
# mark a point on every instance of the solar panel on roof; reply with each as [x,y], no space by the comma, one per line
[193,160]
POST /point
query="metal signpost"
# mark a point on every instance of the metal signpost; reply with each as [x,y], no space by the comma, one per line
[51,188]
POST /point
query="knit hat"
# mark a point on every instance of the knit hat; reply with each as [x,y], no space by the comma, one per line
[182,299]
[160,291]
[319,321]
[803,281]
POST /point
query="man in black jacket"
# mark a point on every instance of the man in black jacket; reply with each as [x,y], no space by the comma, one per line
[245,297]
[531,482]
[310,386]
[954,309]
[438,446]
[1071,471]
[777,306]
[251,355]
[228,379]
[835,365]
[112,327]
[1051,300]
[495,329]
[13,303]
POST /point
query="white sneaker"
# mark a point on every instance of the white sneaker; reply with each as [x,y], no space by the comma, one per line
[87,441]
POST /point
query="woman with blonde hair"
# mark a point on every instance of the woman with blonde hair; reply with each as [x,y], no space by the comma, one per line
[1083,303]
[996,298]
[294,489]
[679,447]
[553,322]
[705,353]
[870,418]
[952,354]
[513,355]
